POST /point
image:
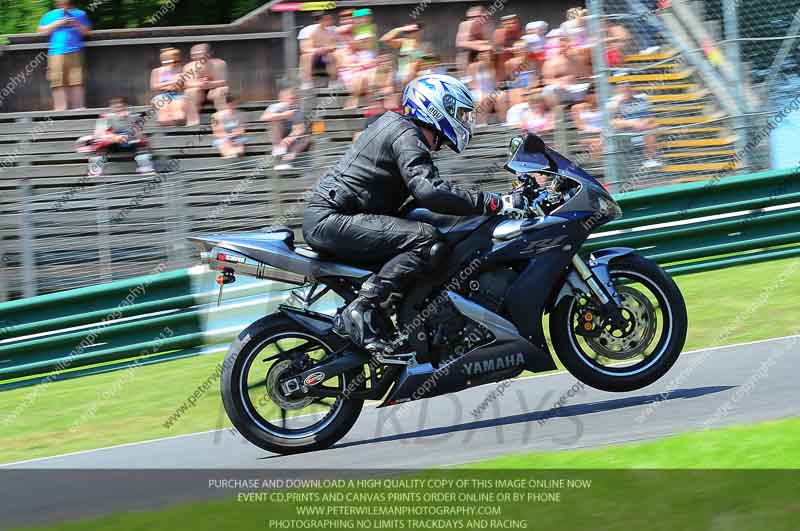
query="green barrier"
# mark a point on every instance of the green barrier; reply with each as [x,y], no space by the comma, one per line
[714,224]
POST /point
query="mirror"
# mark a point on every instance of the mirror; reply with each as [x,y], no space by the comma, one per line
[514,146]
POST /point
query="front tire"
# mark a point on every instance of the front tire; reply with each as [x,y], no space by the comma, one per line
[622,362]
[258,410]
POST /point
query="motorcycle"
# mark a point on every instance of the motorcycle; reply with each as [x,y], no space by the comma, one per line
[617,321]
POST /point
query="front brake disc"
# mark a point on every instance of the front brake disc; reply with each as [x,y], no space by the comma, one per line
[640,317]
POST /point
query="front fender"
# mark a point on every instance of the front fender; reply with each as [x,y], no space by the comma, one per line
[598,263]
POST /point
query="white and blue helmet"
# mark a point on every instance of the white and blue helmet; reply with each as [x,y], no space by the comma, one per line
[445,104]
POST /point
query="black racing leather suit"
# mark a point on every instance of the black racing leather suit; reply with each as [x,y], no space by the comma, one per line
[352,213]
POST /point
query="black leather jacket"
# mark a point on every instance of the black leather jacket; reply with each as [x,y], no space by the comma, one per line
[389,163]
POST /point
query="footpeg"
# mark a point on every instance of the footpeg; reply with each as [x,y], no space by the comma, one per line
[409,359]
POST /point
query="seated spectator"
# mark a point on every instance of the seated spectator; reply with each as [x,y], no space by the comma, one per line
[318,49]
[505,37]
[481,81]
[288,130]
[406,39]
[363,25]
[205,79]
[580,46]
[116,131]
[521,73]
[558,76]
[472,37]
[357,70]
[535,41]
[617,40]
[589,121]
[533,116]
[67,27]
[631,112]
[344,31]
[228,129]
[386,83]
[165,81]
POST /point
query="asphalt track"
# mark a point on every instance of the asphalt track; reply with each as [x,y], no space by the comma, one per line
[709,388]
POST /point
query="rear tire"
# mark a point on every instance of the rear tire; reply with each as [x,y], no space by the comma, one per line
[235,393]
[668,348]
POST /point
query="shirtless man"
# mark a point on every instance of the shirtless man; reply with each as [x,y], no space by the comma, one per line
[472,38]
[205,79]
[505,37]
[319,50]
[558,76]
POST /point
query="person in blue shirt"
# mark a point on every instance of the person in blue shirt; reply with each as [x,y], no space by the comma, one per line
[67,27]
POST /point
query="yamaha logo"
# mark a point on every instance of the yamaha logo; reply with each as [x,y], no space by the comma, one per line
[496,364]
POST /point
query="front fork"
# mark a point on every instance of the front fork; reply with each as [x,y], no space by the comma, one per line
[596,278]
[599,282]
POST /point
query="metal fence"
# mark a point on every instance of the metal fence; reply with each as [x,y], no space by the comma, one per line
[721,77]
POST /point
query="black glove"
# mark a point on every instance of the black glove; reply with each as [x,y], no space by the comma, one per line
[492,203]
[513,204]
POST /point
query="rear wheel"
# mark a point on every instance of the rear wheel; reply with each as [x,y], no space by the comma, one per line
[629,357]
[266,352]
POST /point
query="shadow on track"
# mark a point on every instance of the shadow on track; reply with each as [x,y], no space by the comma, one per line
[562,412]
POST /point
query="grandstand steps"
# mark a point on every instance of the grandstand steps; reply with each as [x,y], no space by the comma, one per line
[676,109]
[688,120]
[702,167]
[651,58]
[704,142]
[663,88]
[675,98]
[652,78]
[699,153]
[700,132]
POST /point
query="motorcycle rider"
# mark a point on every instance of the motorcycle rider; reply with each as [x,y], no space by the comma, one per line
[353,211]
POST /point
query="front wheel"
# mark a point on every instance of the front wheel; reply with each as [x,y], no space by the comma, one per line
[266,352]
[629,357]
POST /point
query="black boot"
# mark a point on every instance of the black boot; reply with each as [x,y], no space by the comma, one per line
[360,319]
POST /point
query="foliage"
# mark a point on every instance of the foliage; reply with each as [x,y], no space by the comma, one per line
[22,16]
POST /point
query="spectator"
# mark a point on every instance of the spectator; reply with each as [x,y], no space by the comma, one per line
[521,73]
[116,131]
[318,49]
[535,40]
[483,84]
[228,129]
[363,25]
[289,135]
[386,83]
[617,39]
[344,31]
[205,79]
[534,116]
[406,39]
[472,37]
[357,70]
[631,112]
[558,76]
[580,46]
[589,121]
[67,27]
[165,81]
[505,37]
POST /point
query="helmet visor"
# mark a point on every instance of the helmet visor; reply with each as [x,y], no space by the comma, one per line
[466,116]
